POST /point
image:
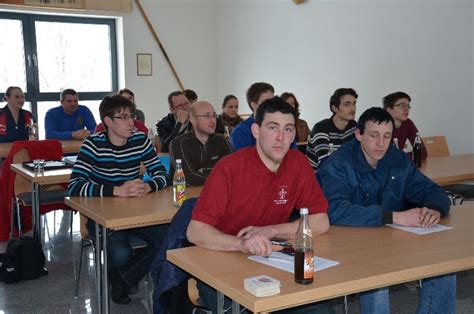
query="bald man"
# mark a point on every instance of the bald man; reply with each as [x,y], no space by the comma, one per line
[201,148]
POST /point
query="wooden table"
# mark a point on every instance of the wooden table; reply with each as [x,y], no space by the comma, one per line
[119,213]
[449,169]
[38,179]
[369,258]
[69,146]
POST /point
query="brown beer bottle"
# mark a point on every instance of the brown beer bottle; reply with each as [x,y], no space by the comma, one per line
[417,151]
[304,264]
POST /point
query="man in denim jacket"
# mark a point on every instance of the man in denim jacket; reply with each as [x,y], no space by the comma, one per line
[369,183]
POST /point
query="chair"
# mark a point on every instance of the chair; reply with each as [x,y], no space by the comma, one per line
[437,146]
[89,240]
[52,196]
[16,192]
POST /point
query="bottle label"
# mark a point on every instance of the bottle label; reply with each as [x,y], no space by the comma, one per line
[180,193]
[308,265]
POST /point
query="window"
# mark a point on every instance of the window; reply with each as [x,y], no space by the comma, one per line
[46,54]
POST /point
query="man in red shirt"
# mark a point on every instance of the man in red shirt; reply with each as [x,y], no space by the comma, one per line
[249,196]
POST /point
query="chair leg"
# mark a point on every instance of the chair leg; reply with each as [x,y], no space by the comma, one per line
[16,218]
[346,305]
[79,270]
[71,222]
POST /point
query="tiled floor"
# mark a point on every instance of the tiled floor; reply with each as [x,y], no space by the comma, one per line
[55,293]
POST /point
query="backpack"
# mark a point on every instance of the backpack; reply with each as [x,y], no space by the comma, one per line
[23,260]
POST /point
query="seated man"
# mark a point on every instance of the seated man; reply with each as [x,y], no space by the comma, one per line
[70,120]
[249,196]
[242,134]
[367,182]
[201,148]
[398,105]
[327,135]
[118,175]
[176,122]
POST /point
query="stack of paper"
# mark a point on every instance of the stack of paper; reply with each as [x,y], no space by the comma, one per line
[262,286]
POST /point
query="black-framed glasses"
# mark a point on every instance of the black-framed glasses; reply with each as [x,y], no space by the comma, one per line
[207,115]
[125,116]
[403,106]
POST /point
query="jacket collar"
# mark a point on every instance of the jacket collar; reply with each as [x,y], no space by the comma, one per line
[392,158]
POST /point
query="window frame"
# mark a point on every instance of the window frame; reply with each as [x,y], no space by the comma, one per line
[33,94]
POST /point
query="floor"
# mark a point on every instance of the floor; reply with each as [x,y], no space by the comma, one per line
[54,293]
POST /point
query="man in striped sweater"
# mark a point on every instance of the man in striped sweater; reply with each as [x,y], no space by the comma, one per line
[108,164]
[327,135]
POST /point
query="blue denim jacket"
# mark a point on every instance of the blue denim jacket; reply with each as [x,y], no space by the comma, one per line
[359,195]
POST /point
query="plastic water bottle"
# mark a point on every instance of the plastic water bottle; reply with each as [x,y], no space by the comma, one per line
[395,142]
[304,254]
[179,185]
[33,132]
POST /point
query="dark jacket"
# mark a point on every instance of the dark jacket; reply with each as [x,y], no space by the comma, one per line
[167,129]
[198,159]
[359,195]
[165,275]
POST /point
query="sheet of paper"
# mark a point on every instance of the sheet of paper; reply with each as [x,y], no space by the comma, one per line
[420,230]
[286,262]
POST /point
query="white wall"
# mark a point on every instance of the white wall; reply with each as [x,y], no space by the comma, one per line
[422,48]
[187,31]
[222,46]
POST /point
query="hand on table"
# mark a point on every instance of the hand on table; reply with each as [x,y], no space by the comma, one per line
[417,217]
[133,188]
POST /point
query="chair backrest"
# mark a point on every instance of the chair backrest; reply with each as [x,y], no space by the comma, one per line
[436,146]
[21,184]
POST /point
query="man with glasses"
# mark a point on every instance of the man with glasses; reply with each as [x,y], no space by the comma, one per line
[201,148]
[327,135]
[176,122]
[70,120]
[398,105]
[108,165]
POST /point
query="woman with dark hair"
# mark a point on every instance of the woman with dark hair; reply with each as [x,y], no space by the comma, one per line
[302,129]
[14,120]
[125,92]
[230,113]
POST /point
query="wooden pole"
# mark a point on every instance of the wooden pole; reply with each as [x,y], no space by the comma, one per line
[155,36]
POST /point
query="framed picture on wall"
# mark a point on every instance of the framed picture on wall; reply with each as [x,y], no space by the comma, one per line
[144,64]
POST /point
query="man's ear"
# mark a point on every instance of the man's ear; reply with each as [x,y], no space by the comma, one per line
[255,130]
[254,106]
[108,121]
[357,134]
[193,120]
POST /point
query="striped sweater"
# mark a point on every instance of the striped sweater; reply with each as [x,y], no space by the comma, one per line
[101,166]
[326,138]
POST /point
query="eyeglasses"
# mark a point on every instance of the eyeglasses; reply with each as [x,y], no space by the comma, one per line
[403,106]
[208,116]
[125,117]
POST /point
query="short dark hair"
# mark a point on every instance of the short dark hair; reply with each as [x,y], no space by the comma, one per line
[335,99]
[68,91]
[391,99]
[256,90]
[125,91]
[174,94]
[376,115]
[287,95]
[9,91]
[272,105]
[227,98]
[110,105]
[190,94]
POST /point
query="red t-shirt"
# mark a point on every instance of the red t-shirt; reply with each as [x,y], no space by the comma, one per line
[241,191]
